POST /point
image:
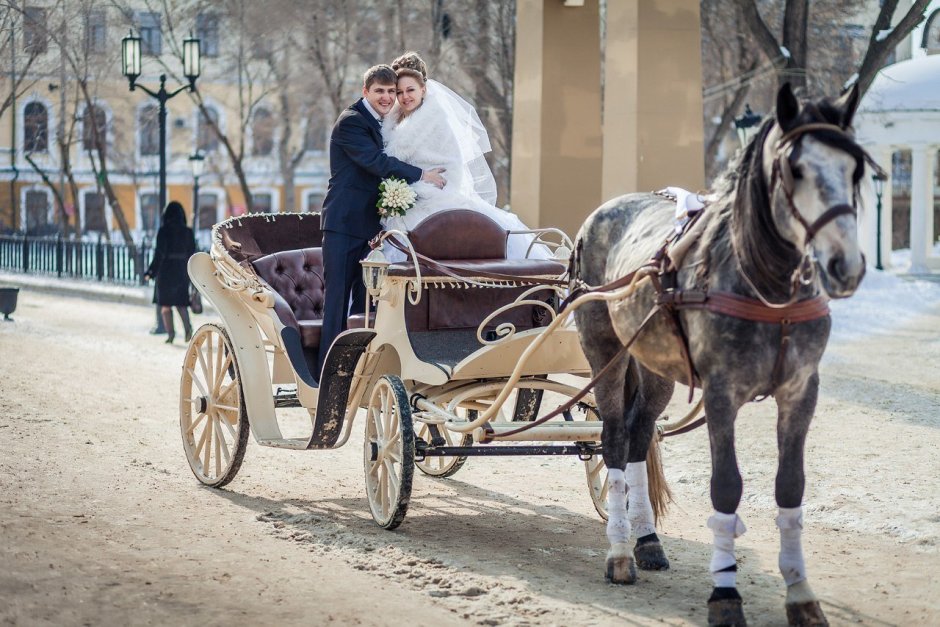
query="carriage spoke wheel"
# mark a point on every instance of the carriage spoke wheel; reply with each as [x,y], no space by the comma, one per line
[213,418]
[445,466]
[389,451]
[596,471]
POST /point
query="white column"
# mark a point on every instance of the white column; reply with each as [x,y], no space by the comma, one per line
[920,181]
[887,209]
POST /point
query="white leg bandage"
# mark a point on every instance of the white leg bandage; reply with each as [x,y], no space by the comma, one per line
[725,527]
[790,523]
[640,510]
[618,526]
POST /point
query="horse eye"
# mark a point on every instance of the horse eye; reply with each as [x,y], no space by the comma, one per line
[797,171]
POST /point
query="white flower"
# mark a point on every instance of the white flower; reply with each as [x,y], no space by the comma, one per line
[396,197]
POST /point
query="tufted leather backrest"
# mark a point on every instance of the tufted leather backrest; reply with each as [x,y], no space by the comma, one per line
[297,276]
[459,234]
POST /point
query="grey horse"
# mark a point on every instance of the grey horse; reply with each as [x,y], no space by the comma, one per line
[780,236]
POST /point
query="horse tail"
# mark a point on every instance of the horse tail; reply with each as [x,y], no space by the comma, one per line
[659,492]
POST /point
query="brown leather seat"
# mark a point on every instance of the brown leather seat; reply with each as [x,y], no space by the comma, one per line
[296,278]
[468,242]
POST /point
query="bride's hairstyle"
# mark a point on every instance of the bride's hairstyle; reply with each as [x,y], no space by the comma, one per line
[411,61]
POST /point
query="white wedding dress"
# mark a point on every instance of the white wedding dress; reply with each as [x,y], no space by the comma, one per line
[446,132]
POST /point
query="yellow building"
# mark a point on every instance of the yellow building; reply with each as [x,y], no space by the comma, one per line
[48,104]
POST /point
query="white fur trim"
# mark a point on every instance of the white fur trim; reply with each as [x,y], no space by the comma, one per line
[640,510]
[790,561]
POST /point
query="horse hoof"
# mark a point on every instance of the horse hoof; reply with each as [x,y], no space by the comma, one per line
[807,614]
[649,553]
[724,608]
[621,568]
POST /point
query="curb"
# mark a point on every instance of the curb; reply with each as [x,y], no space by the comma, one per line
[94,290]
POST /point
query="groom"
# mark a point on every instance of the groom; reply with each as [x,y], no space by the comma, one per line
[350,217]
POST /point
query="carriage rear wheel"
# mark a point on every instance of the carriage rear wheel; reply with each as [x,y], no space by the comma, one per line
[596,471]
[389,451]
[213,418]
[445,466]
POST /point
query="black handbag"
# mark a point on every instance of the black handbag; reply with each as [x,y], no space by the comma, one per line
[195,300]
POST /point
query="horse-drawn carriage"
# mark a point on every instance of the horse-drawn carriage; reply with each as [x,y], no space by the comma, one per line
[451,362]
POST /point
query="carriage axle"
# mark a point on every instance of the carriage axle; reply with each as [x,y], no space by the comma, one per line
[583,451]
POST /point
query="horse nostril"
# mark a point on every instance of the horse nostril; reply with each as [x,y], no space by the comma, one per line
[836,267]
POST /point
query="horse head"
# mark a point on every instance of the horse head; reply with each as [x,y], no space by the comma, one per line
[814,166]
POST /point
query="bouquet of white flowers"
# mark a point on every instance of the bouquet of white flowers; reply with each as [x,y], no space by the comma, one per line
[395,197]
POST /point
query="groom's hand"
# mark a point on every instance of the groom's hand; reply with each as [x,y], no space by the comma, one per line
[434,177]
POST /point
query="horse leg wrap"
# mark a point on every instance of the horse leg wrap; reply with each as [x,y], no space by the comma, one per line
[725,528]
[618,525]
[621,567]
[640,510]
[790,523]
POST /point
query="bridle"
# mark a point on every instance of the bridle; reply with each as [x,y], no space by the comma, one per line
[806,270]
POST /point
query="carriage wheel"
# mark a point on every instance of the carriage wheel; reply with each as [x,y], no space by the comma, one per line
[596,471]
[213,418]
[389,449]
[445,466]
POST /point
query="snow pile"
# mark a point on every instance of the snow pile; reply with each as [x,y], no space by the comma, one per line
[883,303]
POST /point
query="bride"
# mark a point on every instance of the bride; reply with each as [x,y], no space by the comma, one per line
[434,127]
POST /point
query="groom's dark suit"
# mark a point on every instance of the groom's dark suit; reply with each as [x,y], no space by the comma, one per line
[357,166]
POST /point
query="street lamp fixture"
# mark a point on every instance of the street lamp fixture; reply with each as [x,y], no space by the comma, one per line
[131,66]
[197,161]
[878,179]
[130,58]
[746,125]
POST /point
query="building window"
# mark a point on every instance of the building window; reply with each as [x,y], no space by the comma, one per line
[149,212]
[95,218]
[262,133]
[151,36]
[148,124]
[208,211]
[207,30]
[94,128]
[315,201]
[35,128]
[96,31]
[261,202]
[206,138]
[37,213]
[34,30]
[315,136]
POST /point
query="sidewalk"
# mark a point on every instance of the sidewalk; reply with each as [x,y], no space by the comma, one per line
[97,290]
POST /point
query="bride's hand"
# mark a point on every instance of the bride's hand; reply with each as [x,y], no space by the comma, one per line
[434,177]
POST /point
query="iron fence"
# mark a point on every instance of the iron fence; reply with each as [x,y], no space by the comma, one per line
[74,258]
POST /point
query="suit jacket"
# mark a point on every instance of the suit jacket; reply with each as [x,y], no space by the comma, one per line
[357,166]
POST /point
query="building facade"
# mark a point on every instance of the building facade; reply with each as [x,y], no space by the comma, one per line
[68,104]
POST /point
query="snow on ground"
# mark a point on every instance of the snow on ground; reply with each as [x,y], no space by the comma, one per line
[884,302]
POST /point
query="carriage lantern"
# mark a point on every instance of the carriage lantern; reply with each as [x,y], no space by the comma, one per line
[746,125]
[374,271]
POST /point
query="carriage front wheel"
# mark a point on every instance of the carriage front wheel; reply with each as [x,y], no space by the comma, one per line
[596,471]
[213,418]
[389,452]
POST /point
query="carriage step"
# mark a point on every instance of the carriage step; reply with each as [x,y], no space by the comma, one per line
[549,432]
[291,443]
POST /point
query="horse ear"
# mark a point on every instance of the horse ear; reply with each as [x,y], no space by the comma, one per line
[788,107]
[847,104]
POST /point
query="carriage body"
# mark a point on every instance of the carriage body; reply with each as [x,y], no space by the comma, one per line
[460,356]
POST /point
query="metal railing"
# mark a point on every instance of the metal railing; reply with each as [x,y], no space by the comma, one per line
[74,258]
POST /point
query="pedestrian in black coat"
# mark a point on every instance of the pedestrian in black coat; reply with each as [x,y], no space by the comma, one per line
[175,245]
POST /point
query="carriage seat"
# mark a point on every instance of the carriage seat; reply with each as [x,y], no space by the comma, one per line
[469,242]
[296,279]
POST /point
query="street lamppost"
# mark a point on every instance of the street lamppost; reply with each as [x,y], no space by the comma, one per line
[746,125]
[130,66]
[197,161]
[878,179]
